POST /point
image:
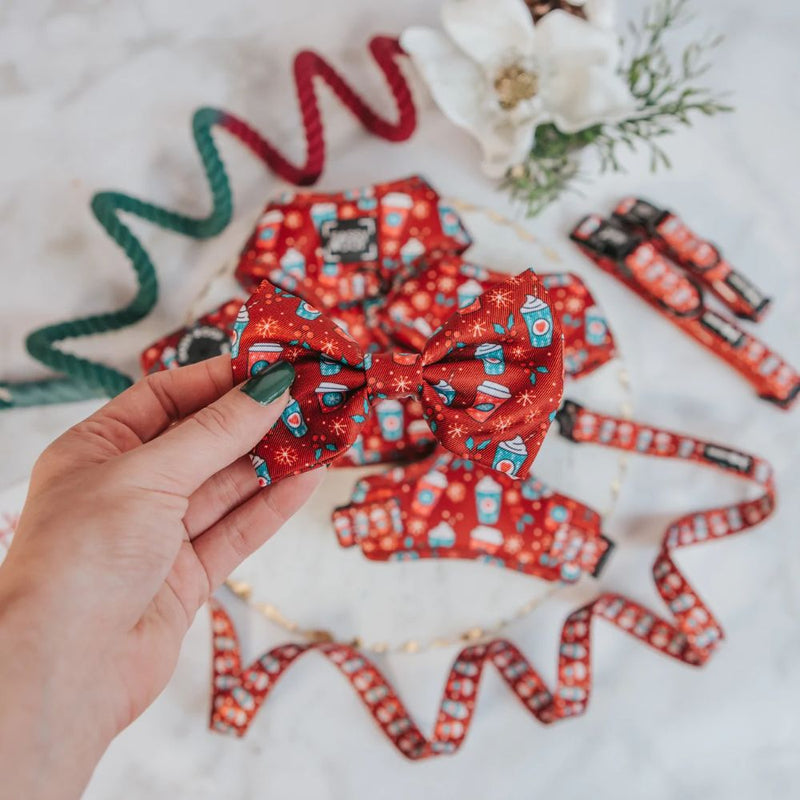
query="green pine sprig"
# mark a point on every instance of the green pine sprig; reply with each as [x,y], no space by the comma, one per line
[668,98]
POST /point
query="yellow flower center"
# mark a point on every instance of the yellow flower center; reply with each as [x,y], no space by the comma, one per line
[514,84]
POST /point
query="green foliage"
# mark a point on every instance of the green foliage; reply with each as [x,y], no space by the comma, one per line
[667,96]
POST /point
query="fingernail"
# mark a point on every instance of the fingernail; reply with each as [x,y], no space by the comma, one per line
[271,383]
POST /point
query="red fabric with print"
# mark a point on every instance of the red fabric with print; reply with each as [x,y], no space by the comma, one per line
[701,258]
[489,381]
[449,507]
[679,297]
[690,634]
[331,249]
[420,304]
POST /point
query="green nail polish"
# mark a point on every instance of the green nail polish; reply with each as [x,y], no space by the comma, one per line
[269,384]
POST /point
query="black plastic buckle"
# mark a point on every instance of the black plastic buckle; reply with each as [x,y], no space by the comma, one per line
[603,560]
[566,417]
[643,214]
[608,240]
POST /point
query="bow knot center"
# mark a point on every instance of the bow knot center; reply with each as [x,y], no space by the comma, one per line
[394,375]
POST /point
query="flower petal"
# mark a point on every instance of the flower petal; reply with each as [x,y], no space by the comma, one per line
[489,31]
[456,83]
[579,97]
[565,40]
[504,144]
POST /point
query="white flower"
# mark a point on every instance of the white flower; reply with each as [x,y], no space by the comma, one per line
[498,76]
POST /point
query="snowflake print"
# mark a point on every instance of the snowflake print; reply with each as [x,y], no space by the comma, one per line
[456,430]
[503,425]
[500,297]
[447,284]
[478,328]
[267,326]
[417,526]
[339,427]
[328,347]
[513,544]
[292,353]
[456,492]
[527,398]
[402,385]
[286,456]
[518,352]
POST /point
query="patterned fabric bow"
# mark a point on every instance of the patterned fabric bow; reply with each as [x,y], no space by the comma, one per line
[338,248]
[489,380]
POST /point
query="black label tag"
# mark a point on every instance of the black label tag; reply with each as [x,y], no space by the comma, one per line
[731,459]
[645,214]
[347,241]
[745,289]
[722,328]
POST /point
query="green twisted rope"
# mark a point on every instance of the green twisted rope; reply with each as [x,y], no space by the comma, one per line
[90,379]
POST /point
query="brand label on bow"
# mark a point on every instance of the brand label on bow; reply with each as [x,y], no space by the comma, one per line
[349,240]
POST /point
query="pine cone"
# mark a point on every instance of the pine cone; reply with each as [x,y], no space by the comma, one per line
[539,8]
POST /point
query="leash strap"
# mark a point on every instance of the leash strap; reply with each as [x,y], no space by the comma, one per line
[699,257]
[679,297]
[690,636]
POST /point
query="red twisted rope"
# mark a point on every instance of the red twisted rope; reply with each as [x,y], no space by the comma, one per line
[308,66]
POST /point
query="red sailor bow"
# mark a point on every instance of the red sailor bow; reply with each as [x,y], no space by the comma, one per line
[489,379]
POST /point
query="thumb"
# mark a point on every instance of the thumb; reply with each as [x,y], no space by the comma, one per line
[184,457]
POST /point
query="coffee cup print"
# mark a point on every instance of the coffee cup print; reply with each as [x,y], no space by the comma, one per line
[261,355]
[329,274]
[268,227]
[429,491]
[451,224]
[445,391]
[262,473]
[321,213]
[390,419]
[169,358]
[293,419]
[411,251]
[488,497]
[419,433]
[491,355]
[293,264]
[489,397]
[328,365]
[280,278]
[448,219]
[469,270]
[485,539]
[596,328]
[441,535]
[306,311]
[242,320]
[396,207]
[538,320]
[509,456]
[330,396]
[468,294]
[366,203]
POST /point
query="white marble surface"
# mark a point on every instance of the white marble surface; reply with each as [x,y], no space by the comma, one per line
[99,95]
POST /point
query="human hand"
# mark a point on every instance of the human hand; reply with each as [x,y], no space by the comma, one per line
[133,518]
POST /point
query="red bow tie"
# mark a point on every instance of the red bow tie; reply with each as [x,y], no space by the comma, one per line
[489,380]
